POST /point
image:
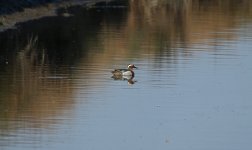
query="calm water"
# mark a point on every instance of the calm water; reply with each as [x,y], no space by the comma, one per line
[193,88]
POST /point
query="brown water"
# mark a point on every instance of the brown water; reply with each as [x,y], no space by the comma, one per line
[193,88]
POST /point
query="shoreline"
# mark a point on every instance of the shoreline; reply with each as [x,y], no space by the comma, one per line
[9,20]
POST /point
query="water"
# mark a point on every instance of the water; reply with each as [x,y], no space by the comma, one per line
[192,89]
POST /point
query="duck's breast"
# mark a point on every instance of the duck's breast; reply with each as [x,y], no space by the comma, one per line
[128,73]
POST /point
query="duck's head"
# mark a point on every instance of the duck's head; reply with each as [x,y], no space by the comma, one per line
[131,66]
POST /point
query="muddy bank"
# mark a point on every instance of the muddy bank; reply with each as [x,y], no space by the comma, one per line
[15,11]
[11,6]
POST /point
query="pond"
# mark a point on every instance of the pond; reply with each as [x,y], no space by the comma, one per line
[192,88]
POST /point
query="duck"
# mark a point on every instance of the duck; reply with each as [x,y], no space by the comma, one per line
[124,72]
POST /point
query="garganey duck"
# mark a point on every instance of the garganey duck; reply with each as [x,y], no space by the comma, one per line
[125,72]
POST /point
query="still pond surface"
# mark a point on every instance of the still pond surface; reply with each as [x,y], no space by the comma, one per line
[192,89]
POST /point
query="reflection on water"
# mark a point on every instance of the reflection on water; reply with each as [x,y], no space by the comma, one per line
[129,79]
[192,89]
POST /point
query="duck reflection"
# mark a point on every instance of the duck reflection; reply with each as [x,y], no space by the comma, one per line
[129,79]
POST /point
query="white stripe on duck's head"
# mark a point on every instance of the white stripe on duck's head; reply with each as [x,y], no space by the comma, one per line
[131,66]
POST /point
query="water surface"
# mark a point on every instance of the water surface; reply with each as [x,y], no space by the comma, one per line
[192,89]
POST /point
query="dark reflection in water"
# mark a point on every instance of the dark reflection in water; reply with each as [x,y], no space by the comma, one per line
[192,90]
